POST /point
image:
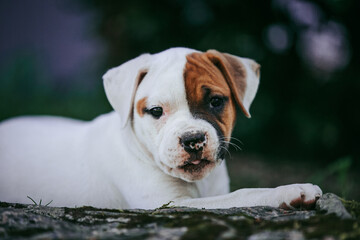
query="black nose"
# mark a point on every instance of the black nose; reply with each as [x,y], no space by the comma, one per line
[193,142]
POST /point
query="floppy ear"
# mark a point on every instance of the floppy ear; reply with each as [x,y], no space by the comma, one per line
[121,82]
[242,75]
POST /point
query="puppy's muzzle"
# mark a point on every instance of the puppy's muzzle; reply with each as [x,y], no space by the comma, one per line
[194,144]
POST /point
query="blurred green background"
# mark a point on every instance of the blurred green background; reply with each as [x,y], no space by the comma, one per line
[304,124]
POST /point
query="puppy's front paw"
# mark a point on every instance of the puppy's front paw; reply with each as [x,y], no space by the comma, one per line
[298,196]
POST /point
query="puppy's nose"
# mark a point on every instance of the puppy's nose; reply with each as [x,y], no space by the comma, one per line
[193,142]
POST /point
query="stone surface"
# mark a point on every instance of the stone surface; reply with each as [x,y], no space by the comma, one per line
[330,203]
[329,221]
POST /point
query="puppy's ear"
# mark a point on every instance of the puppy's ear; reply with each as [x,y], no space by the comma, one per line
[242,75]
[121,82]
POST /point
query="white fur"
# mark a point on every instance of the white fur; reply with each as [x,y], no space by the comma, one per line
[252,83]
[166,88]
[120,84]
[112,162]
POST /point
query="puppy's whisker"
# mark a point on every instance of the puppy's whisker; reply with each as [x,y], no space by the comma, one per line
[230,143]
[232,138]
[237,148]
[238,140]
[226,150]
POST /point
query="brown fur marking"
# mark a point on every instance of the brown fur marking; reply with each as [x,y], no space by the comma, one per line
[300,203]
[234,73]
[141,106]
[203,80]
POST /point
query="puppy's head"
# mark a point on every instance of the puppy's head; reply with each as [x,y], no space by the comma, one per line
[181,105]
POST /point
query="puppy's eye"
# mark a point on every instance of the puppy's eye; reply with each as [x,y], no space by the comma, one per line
[156,112]
[216,102]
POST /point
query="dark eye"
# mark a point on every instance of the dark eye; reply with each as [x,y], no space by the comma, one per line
[156,112]
[216,102]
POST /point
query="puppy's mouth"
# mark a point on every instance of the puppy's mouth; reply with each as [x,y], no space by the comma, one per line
[195,165]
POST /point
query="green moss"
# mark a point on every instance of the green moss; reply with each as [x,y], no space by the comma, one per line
[207,224]
[314,228]
[14,205]
[204,230]
[89,215]
[166,205]
[353,207]
[28,232]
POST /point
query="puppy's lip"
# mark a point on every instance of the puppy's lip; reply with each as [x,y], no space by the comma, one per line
[195,164]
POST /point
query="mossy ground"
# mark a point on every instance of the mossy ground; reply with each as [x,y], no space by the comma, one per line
[17,221]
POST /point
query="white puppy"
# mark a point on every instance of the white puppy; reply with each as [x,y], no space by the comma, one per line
[166,141]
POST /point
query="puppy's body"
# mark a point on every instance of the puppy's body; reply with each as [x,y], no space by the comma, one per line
[166,142]
[94,169]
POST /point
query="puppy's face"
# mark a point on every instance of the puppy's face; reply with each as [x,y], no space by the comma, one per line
[184,110]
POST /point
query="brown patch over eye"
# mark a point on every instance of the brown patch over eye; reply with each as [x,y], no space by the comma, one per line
[208,94]
[141,106]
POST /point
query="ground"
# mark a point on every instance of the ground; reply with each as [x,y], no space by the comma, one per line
[330,220]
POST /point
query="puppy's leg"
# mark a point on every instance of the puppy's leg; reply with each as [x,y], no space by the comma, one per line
[294,196]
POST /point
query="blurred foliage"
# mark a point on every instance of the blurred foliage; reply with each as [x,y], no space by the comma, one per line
[341,169]
[296,114]
[26,89]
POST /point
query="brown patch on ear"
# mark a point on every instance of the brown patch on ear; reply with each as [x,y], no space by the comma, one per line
[141,106]
[141,76]
[235,74]
[204,80]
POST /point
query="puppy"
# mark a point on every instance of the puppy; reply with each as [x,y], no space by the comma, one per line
[165,141]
